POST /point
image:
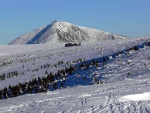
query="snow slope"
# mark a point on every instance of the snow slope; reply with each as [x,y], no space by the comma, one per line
[119,91]
[57,32]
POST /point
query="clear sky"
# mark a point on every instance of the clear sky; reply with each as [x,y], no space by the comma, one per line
[124,17]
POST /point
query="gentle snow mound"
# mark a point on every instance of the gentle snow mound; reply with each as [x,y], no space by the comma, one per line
[136,97]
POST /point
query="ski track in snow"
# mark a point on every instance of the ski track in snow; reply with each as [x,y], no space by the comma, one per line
[95,101]
[113,96]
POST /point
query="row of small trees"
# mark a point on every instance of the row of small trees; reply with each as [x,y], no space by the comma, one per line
[50,82]
[37,85]
[17,73]
[9,75]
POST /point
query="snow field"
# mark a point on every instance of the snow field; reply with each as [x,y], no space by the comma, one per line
[120,91]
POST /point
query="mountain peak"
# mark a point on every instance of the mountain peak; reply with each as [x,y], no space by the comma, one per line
[59,31]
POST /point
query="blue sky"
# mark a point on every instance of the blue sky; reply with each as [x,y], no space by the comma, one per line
[125,17]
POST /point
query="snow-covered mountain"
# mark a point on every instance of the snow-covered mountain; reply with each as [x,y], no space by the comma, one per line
[57,32]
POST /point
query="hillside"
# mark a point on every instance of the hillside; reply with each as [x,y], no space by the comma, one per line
[103,76]
[58,32]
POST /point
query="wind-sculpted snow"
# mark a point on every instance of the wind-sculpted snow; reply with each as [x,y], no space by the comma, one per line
[58,32]
[119,78]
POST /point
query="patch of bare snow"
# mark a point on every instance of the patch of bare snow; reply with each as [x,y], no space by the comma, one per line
[136,97]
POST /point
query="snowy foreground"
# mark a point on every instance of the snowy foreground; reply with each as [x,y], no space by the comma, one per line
[124,81]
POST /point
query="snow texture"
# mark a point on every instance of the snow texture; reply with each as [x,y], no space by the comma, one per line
[124,81]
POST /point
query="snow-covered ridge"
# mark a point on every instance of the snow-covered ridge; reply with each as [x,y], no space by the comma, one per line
[58,32]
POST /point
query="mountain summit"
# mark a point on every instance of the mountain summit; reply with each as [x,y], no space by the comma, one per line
[58,32]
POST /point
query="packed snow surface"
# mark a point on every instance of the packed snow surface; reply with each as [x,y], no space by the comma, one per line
[124,80]
[137,97]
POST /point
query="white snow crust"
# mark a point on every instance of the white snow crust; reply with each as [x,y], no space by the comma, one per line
[136,97]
